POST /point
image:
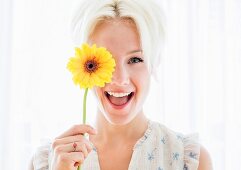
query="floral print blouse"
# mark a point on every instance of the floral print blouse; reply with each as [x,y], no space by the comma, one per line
[159,149]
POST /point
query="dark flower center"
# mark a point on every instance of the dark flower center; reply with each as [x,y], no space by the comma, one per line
[91,66]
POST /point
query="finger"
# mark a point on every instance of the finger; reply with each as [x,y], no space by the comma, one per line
[72,147]
[71,139]
[89,146]
[77,157]
[78,129]
[83,149]
[73,159]
[68,139]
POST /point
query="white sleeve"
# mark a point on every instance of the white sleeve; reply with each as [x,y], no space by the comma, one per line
[41,158]
[191,152]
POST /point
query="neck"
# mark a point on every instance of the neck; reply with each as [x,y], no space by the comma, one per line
[109,133]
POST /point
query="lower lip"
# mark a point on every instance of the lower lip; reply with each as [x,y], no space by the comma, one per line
[119,107]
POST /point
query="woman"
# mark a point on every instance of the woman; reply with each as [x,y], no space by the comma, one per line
[132,30]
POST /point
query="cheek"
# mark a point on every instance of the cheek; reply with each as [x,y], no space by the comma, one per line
[99,97]
[97,93]
[145,85]
[142,81]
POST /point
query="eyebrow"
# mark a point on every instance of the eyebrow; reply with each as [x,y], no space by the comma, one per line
[134,51]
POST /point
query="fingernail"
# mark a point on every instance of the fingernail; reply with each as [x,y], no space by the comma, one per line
[76,164]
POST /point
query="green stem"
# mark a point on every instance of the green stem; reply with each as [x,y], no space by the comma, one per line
[84,106]
[84,112]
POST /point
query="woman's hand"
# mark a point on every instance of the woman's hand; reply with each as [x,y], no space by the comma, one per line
[71,148]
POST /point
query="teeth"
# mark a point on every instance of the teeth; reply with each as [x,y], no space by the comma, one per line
[118,94]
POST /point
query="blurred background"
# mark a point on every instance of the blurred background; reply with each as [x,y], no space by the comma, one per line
[198,88]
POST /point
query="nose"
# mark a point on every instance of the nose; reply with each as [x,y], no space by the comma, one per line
[120,76]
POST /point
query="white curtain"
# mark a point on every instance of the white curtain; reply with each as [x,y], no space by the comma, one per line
[5,60]
[201,75]
[199,88]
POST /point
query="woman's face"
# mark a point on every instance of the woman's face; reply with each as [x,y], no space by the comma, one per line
[123,98]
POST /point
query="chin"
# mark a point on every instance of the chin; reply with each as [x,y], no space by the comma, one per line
[123,119]
[118,119]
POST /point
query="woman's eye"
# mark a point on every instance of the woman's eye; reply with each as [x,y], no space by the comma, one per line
[135,60]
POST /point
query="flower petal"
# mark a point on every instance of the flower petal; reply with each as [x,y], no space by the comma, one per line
[99,76]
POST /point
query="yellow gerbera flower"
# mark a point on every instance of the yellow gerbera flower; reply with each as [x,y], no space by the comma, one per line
[91,66]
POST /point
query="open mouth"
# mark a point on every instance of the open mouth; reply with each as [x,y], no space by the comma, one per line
[119,99]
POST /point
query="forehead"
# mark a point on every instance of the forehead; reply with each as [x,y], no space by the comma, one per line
[118,36]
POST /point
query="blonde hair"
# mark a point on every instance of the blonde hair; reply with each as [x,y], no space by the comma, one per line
[146,14]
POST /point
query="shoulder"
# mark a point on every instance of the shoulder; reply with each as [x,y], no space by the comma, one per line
[195,155]
[186,147]
[205,162]
[173,137]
